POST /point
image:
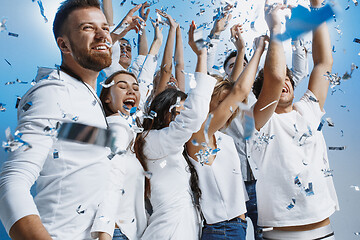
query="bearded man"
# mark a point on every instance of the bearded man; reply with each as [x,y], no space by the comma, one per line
[70,175]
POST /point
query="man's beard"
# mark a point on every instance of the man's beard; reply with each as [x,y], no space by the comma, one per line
[95,61]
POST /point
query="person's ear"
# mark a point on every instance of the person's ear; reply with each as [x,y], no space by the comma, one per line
[63,44]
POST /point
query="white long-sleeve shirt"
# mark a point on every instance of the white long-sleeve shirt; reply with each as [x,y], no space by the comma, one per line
[174,216]
[70,185]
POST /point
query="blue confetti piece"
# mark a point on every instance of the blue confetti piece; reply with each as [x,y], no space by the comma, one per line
[216,150]
[292,204]
[133,110]
[13,34]
[7,61]
[321,125]
[194,142]
[303,21]
[42,11]
[27,106]
[56,154]
[206,127]
[309,191]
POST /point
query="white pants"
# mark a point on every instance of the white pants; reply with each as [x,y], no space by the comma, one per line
[325,233]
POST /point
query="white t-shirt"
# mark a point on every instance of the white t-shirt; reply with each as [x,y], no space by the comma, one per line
[223,195]
[293,187]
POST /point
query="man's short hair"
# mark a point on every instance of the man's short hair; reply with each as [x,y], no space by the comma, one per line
[231,55]
[127,40]
[258,83]
[68,7]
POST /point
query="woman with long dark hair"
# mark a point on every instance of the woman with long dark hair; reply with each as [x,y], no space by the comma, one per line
[123,207]
[215,157]
[161,144]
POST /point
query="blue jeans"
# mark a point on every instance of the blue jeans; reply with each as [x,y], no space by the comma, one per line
[251,207]
[118,235]
[232,229]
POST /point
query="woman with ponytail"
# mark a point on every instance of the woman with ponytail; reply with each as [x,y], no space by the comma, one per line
[176,117]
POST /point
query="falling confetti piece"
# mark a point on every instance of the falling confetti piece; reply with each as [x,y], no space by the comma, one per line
[330,122]
[3,25]
[13,34]
[337,148]
[27,106]
[14,142]
[80,211]
[42,11]
[112,83]
[268,105]
[7,61]
[302,21]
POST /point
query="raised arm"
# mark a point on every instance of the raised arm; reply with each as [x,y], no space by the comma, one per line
[158,38]
[219,26]
[200,53]
[108,11]
[179,60]
[147,71]
[224,108]
[322,57]
[274,69]
[142,39]
[166,64]
[300,66]
[239,43]
[128,23]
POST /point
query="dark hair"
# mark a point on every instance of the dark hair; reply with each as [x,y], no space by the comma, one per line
[258,83]
[64,11]
[231,55]
[125,40]
[105,91]
[161,105]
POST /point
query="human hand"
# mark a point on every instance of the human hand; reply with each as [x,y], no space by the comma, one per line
[134,22]
[221,24]
[236,36]
[260,42]
[272,17]
[158,36]
[144,15]
[170,20]
[192,42]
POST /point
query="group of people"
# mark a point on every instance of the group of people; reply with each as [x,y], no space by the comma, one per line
[145,160]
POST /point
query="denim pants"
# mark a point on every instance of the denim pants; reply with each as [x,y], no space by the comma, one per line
[118,235]
[251,207]
[232,229]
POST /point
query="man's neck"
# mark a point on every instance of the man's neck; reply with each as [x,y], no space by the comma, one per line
[284,109]
[86,75]
[125,66]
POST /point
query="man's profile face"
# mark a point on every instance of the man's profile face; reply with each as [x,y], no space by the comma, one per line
[87,32]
